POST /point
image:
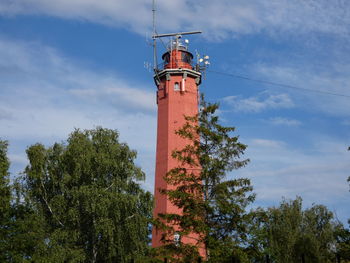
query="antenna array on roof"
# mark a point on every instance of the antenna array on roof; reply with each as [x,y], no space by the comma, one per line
[176,41]
[179,34]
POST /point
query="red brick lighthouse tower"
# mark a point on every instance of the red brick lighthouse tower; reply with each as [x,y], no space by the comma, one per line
[177,83]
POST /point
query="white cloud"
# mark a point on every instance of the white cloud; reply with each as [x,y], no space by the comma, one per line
[263,143]
[284,121]
[119,96]
[219,19]
[334,80]
[45,95]
[318,174]
[259,103]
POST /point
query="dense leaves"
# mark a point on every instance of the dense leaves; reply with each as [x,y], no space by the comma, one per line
[79,201]
[342,246]
[86,197]
[290,234]
[5,199]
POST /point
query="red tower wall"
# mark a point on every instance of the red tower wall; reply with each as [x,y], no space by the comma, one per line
[173,105]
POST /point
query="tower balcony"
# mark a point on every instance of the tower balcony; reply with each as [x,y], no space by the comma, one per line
[178,64]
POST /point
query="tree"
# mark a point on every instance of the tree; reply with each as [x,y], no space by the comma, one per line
[86,196]
[342,248]
[290,234]
[5,201]
[212,205]
[17,224]
[343,238]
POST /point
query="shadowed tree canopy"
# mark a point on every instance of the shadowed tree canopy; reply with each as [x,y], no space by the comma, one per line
[289,234]
[85,193]
[5,201]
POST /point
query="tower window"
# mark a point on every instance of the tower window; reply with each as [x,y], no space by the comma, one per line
[186,57]
[177,86]
[166,58]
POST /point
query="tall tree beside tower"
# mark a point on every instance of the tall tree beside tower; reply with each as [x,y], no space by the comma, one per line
[212,201]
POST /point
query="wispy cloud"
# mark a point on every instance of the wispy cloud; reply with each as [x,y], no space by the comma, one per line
[284,121]
[220,19]
[259,103]
[334,80]
[118,96]
[39,78]
[45,96]
[279,169]
[264,143]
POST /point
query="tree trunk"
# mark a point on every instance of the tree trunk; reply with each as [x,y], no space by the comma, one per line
[94,253]
[338,259]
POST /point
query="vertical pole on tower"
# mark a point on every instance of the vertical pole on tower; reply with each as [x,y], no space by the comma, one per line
[155,62]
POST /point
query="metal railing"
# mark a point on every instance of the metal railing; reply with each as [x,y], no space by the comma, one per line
[178,63]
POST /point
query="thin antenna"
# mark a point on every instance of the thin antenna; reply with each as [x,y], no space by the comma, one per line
[155,60]
[156,36]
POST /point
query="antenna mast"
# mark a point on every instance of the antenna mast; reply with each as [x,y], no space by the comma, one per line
[176,36]
[155,60]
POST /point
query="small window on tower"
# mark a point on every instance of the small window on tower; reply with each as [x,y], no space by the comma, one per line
[166,58]
[186,57]
[177,86]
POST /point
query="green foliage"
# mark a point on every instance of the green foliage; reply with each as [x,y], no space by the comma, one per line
[5,200]
[289,234]
[5,191]
[343,238]
[16,224]
[86,198]
[213,206]
[343,242]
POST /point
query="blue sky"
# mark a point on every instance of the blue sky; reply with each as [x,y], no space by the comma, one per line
[80,63]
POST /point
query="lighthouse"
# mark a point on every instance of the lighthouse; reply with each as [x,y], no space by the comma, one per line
[177,80]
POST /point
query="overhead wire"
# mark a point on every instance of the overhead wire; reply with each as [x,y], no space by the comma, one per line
[277,84]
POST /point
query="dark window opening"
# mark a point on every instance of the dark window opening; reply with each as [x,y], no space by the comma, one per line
[186,57]
[167,58]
